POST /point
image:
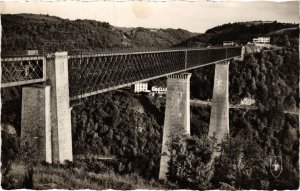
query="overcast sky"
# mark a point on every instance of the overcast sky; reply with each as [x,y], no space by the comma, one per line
[193,16]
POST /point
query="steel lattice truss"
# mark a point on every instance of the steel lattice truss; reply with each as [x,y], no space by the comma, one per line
[93,74]
[22,70]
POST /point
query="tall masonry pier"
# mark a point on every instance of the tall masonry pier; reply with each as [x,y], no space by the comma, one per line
[36,121]
[219,117]
[177,115]
[46,113]
[57,76]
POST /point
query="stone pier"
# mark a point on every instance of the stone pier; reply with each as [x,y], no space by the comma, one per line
[57,77]
[36,122]
[177,114]
[219,117]
[46,115]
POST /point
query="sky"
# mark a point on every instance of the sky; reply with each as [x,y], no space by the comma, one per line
[195,16]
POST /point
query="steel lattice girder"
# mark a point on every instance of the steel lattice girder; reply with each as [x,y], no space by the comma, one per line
[92,74]
[96,72]
[22,70]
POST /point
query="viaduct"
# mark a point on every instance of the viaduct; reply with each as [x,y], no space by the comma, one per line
[50,82]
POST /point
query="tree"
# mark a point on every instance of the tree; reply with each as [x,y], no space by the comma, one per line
[290,102]
[286,40]
[253,84]
[262,93]
[189,161]
[240,164]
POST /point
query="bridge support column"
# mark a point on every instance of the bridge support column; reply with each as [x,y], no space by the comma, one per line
[177,115]
[36,122]
[57,77]
[219,117]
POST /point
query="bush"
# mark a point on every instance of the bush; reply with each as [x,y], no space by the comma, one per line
[16,176]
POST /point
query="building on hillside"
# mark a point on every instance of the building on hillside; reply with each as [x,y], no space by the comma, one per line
[158,90]
[247,101]
[262,41]
[8,128]
[141,87]
[228,43]
[32,52]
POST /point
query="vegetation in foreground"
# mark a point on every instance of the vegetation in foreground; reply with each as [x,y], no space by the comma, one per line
[244,160]
[76,175]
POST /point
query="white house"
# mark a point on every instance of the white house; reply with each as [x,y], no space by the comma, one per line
[32,52]
[228,43]
[261,41]
[158,90]
[247,101]
[141,87]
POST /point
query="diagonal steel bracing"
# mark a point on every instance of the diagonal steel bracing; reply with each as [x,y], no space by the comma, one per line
[90,74]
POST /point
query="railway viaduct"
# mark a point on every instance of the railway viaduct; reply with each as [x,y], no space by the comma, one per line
[50,82]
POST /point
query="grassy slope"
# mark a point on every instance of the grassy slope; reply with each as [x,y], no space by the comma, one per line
[62,177]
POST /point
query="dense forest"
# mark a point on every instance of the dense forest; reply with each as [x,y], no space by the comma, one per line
[128,127]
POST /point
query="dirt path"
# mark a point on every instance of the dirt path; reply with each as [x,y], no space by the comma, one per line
[248,107]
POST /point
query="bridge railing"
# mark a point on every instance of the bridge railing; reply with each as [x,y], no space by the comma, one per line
[22,70]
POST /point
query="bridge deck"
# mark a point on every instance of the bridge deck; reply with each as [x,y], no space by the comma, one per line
[90,74]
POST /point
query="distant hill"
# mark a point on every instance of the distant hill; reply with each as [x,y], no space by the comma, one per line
[29,31]
[242,32]
[157,37]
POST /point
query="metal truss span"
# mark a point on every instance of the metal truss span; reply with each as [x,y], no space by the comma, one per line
[97,73]
[90,74]
[22,70]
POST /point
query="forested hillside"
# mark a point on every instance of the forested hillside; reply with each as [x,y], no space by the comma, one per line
[126,126]
[144,37]
[48,33]
[243,33]
[271,78]
[255,135]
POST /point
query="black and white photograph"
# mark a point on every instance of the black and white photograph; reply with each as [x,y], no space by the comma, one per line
[149,95]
